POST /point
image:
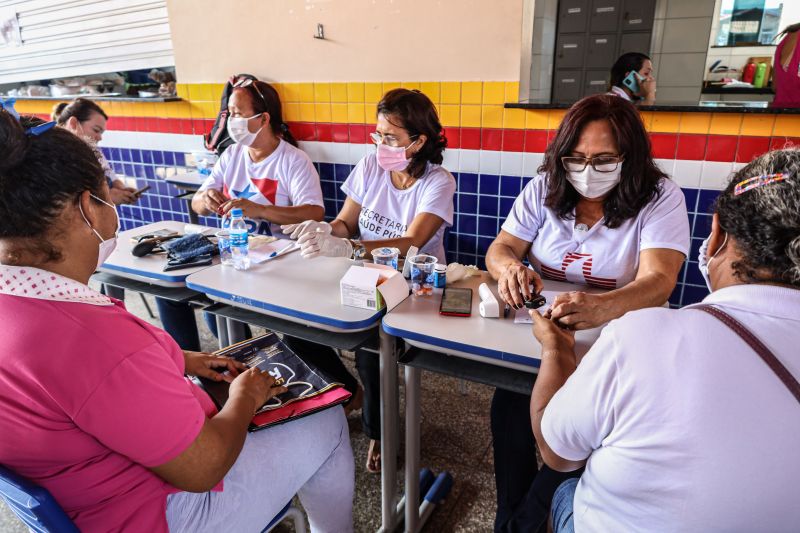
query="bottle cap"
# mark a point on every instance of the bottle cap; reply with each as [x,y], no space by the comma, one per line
[236,212]
[440,268]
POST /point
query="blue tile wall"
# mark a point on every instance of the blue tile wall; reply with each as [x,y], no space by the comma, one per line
[481,204]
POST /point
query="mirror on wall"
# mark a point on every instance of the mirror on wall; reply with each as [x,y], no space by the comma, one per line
[718,52]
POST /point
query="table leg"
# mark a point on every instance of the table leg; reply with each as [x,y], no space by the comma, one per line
[222,331]
[236,331]
[412,378]
[389,431]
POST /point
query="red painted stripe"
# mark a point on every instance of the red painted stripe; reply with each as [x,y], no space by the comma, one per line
[665,145]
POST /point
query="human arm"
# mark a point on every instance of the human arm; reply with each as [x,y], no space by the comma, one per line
[504,262]
[647,90]
[213,367]
[655,280]
[290,214]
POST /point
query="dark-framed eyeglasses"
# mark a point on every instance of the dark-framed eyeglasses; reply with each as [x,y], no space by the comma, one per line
[600,163]
[247,82]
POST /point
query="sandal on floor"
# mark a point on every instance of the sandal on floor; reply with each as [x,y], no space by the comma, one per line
[374,457]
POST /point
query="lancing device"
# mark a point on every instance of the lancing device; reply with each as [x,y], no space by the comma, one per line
[535,302]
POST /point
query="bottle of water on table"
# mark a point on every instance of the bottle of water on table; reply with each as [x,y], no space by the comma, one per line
[239,246]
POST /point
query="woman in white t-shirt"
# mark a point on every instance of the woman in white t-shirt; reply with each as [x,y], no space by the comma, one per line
[273,182]
[681,424]
[398,196]
[601,214]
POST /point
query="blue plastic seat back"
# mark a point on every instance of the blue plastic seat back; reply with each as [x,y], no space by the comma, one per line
[33,504]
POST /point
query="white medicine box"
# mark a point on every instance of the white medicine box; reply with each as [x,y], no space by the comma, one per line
[373,287]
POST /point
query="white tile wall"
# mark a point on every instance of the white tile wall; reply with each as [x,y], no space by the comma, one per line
[687,173]
[511,163]
[489,162]
[715,175]
[469,161]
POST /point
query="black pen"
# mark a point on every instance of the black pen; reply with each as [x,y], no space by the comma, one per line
[506,310]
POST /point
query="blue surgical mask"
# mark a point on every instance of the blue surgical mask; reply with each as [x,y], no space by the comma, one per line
[703,262]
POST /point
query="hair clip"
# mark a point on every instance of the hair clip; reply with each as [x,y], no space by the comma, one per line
[8,105]
[41,128]
[758,181]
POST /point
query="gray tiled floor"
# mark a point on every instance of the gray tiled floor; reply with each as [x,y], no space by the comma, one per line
[455,437]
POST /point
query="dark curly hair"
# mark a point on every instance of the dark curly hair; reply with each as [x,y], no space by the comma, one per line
[39,176]
[639,182]
[765,221]
[417,115]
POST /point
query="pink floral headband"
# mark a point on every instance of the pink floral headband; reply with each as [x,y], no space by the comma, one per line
[758,181]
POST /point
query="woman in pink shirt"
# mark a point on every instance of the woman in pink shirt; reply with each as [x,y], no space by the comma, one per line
[96,406]
[787,68]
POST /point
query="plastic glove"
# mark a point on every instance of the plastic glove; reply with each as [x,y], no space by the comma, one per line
[319,243]
[457,272]
[295,231]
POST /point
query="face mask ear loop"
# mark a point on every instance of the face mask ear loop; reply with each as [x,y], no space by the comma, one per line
[80,208]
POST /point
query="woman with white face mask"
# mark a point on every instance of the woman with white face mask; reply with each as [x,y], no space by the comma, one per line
[601,214]
[400,196]
[674,411]
[97,405]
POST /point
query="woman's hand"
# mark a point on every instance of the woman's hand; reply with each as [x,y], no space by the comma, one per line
[256,386]
[213,199]
[249,209]
[121,196]
[580,310]
[550,335]
[514,284]
[647,90]
[202,365]
[295,231]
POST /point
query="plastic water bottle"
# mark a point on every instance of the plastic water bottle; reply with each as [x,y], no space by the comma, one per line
[239,246]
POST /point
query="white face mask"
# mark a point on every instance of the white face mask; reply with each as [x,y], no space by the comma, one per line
[703,262]
[592,184]
[239,132]
[107,246]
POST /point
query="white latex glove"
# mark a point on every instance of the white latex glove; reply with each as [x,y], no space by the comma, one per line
[319,243]
[295,231]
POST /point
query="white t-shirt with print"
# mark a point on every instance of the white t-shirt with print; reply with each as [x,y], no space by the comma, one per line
[600,257]
[684,426]
[386,211]
[286,178]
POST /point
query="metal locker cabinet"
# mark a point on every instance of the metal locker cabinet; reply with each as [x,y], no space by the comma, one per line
[604,16]
[572,15]
[634,42]
[638,15]
[567,86]
[570,50]
[601,51]
[596,82]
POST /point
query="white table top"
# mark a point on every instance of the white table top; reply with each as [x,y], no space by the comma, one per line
[305,291]
[495,340]
[188,179]
[149,268]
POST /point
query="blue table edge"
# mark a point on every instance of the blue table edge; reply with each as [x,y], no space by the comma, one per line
[357,325]
[460,347]
[154,275]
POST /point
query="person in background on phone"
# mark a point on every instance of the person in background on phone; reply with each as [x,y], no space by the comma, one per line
[400,196]
[786,74]
[680,423]
[87,120]
[600,213]
[96,407]
[632,79]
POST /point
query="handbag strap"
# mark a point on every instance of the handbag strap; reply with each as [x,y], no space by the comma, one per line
[766,355]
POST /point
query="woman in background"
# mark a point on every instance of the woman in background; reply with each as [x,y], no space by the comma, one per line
[640,66]
[87,120]
[786,77]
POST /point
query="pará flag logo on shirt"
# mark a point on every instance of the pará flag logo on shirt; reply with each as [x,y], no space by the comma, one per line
[266,186]
[575,260]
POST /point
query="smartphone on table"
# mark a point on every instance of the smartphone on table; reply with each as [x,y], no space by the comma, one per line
[456,302]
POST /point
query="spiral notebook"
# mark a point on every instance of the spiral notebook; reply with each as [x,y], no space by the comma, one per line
[309,391]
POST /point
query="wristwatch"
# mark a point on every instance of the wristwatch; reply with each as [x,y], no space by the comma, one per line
[359,250]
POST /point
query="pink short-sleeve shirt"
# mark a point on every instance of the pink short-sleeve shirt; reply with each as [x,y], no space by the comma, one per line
[92,397]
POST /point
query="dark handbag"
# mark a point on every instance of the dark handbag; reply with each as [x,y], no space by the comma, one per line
[188,251]
[766,355]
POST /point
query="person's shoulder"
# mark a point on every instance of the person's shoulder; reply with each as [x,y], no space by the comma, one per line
[437,174]
[292,153]
[367,168]
[667,193]
[642,332]
[536,187]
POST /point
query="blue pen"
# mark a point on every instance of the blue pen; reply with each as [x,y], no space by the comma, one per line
[279,252]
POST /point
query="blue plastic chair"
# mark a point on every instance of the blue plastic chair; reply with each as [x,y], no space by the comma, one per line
[292,512]
[33,504]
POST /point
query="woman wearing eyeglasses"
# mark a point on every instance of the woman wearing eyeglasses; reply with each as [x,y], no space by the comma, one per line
[600,213]
[399,196]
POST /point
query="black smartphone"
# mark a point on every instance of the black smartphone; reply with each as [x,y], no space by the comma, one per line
[142,190]
[456,302]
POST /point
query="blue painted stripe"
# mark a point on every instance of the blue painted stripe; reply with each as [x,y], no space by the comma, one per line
[457,346]
[357,325]
[156,275]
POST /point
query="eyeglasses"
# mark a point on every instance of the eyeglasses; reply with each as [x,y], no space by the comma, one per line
[601,163]
[379,138]
[247,82]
